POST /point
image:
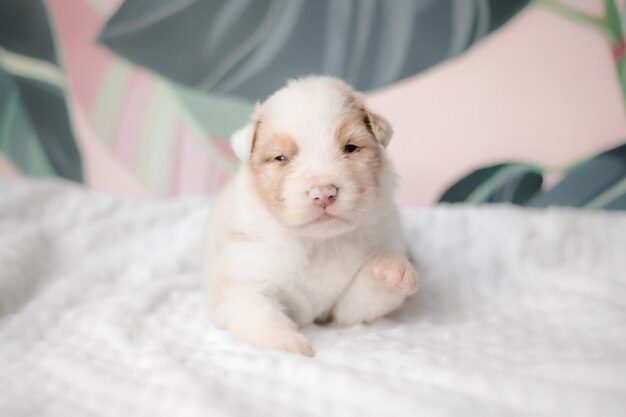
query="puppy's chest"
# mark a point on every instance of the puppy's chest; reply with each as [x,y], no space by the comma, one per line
[327,264]
[321,276]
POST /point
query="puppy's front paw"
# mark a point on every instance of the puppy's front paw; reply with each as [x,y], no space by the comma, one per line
[396,272]
[287,340]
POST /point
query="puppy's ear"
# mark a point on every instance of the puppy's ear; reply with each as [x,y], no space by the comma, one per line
[379,127]
[241,141]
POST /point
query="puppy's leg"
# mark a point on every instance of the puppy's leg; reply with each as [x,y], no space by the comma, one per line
[259,319]
[381,286]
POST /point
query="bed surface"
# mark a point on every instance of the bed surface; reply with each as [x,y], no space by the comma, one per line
[520,312]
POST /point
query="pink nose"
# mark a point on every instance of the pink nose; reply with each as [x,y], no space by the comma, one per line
[323,196]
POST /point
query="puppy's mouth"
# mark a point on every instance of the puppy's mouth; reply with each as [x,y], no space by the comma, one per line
[324,218]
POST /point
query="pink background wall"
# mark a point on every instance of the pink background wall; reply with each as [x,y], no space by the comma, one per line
[543,90]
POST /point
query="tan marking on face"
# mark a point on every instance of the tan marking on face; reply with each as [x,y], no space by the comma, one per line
[268,174]
[366,163]
[353,131]
[377,125]
[282,143]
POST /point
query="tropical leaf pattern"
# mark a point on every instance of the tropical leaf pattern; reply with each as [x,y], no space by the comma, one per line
[35,130]
[501,183]
[171,79]
[596,183]
[161,131]
[599,182]
[248,48]
[610,25]
[166,130]
[168,137]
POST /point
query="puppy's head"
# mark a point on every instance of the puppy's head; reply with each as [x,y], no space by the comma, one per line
[316,158]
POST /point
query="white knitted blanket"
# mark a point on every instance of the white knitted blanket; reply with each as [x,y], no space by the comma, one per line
[520,312]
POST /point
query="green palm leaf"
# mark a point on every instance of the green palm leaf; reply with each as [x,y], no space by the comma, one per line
[35,131]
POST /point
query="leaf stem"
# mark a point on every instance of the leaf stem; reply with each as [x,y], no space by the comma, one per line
[28,67]
[593,21]
[609,24]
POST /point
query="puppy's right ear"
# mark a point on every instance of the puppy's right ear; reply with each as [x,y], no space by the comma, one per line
[241,141]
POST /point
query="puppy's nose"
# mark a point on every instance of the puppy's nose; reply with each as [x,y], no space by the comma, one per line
[323,196]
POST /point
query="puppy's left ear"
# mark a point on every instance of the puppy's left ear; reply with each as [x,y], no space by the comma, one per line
[379,127]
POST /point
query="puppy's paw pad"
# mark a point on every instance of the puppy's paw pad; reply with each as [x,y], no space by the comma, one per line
[398,273]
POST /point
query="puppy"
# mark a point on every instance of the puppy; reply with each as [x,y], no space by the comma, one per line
[307,230]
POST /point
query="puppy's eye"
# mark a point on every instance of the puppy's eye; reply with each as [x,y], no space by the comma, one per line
[349,148]
[281,158]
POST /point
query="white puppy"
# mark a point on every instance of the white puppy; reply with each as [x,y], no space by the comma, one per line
[307,230]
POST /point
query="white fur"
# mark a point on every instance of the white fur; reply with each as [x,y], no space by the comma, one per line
[268,273]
